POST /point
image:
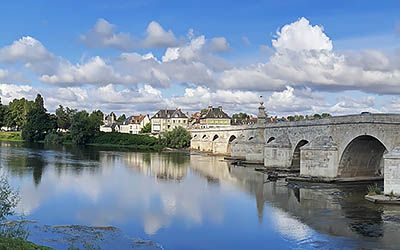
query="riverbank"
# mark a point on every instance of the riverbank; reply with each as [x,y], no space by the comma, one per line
[10,136]
[17,243]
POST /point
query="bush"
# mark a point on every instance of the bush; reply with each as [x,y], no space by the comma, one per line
[179,138]
[374,189]
[54,138]
[132,140]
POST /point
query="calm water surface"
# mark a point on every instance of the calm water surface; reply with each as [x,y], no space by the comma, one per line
[94,198]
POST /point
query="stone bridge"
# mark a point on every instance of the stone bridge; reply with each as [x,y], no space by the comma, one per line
[363,145]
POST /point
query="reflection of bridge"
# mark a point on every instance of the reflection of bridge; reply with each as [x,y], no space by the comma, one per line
[343,146]
[328,209]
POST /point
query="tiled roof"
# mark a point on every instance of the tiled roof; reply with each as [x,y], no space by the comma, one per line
[215,113]
[134,119]
[170,113]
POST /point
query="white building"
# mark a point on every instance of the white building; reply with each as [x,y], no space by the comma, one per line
[168,119]
[109,123]
[134,124]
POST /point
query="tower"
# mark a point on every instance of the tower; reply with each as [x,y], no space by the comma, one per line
[262,116]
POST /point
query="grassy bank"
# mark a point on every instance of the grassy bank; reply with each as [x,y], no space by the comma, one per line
[141,142]
[10,136]
[17,243]
[132,141]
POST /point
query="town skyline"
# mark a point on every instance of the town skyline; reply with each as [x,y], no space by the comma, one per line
[140,64]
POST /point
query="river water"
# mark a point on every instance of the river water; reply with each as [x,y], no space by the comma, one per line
[95,198]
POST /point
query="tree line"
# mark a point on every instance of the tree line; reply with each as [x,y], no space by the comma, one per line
[35,123]
[68,125]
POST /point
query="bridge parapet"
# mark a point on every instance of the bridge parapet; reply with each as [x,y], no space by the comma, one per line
[337,120]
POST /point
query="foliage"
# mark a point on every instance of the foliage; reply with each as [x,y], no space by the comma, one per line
[146,128]
[240,118]
[96,119]
[325,115]
[85,127]
[203,111]
[8,199]
[121,118]
[3,111]
[179,137]
[17,111]
[374,189]
[10,136]
[80,129]
[64,117]
[54,138]
[7,243]
[134,141]
[39,122]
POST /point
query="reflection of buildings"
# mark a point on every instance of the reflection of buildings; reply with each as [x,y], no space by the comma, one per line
[170,166]
[333,210]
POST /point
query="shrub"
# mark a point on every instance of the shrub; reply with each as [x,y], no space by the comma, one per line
[138,141]
[54,138]
[374,189]
[179,137]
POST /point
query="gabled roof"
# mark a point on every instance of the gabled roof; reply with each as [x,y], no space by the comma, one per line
[134,119]
[170,113]
[215,113]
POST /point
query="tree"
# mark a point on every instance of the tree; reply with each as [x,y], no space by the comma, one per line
[326,115]
[39,122]
[146,128]
[16,115]
[64,117]
[80,128]
[3,111]
[179,137]
[121,118]
[317,116]
[96,120]
[240,118]
[84,127]
[203,111]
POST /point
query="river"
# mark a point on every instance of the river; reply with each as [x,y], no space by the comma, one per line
[97,198]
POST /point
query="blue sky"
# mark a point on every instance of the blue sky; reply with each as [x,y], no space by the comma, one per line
[365,33]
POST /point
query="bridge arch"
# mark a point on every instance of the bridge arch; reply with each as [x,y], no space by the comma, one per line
[230,141]
[362,156]
[296,154]
[215,137]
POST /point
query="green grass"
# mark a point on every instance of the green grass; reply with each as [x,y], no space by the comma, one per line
[10,136]
[19,244]
[374,190]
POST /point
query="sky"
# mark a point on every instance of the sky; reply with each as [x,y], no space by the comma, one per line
[298,56]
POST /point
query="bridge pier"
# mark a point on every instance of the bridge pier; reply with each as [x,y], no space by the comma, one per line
[319,158]
[278,153]
[392,172]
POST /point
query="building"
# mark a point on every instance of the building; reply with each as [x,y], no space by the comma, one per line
[214,117]
[168,119]
[109,123]
[134,124]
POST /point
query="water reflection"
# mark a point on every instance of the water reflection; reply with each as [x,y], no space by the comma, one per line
[170,195]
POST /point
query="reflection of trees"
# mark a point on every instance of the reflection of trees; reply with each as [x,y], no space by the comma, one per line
[166,166]
[22,162]
[25,159]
